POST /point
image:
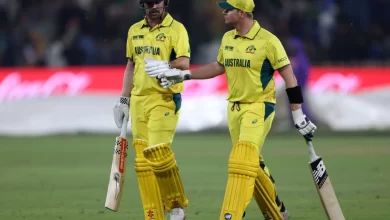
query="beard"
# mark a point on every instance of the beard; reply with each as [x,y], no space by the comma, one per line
[155,14]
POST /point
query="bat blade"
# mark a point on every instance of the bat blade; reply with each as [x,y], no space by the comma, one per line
[325,190]
[117,175]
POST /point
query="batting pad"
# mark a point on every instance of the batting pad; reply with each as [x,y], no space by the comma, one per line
[265,195]
[243,168]
[147,183]
[163,163]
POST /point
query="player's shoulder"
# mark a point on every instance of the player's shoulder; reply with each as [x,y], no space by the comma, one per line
[229,34]
[136,26]
[177,25]
[267,35]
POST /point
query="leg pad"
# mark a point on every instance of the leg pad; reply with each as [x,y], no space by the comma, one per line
[162,161]
[148,186]
[243,169]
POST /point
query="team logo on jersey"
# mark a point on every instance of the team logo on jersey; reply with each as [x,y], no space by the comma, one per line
[229,48]
[161,37]
[251,49]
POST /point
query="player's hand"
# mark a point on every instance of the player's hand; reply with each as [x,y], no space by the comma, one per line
[303,124]
[121,110]
[173,76]
[154,67]
[165,83]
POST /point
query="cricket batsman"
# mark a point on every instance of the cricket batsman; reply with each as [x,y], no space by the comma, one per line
[163,42]
[249,54]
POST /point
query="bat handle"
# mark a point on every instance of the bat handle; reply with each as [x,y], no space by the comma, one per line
[124,128]
[312,153]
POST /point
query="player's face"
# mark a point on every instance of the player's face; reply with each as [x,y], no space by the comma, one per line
[154,10]
[232,16]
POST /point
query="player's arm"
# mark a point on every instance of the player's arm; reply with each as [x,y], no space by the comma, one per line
[279,61]
[173,76]
[121,107]
[181,63]
[294,93]
[206,72]
[288,76]
[127,84]
[210,70]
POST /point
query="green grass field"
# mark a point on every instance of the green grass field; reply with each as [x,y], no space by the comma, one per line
[66,177]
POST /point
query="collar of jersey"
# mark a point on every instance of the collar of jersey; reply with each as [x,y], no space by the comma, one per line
[252,32]
[165,23]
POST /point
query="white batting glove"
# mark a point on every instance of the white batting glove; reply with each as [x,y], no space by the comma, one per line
[121,110]
[154,67]
[173,76]
[165,83]
[303,124]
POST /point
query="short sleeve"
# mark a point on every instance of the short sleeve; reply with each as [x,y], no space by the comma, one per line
[129,46]
[276,54]
[220,55]
[182,44]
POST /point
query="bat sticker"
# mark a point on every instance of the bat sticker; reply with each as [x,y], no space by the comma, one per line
[117,189]
[319,172]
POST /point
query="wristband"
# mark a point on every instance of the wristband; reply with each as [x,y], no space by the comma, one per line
[295,95]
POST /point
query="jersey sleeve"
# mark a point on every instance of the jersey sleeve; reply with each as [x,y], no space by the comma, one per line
[129,46]
[220,54]
[182,44]
[276,54]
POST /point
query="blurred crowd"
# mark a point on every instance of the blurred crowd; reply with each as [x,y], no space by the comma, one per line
[93,32]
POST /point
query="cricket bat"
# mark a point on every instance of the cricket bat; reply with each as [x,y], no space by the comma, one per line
[324,186]
[118,169]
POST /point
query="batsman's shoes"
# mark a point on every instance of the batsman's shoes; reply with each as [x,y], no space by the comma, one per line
[177,214]
[285,216]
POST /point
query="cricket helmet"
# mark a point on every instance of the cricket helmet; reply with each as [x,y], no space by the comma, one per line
[141,2]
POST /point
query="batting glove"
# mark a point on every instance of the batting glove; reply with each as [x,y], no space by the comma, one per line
[303,124]
[165,83]
[154,67]
[173,76]
[121,110]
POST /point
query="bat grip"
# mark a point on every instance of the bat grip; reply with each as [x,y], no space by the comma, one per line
[124,128]
[312,154]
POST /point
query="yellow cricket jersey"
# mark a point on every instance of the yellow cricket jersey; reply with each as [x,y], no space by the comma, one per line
[166,41]
[250,62]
